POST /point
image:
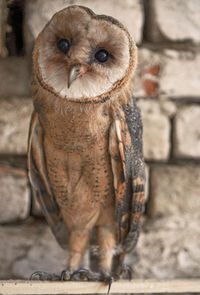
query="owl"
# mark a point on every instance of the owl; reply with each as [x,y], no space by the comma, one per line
[85,155]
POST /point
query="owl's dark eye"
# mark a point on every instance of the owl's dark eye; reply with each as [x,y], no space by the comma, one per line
[63,45]
[102,55]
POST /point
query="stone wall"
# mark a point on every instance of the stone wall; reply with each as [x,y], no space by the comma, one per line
[167,87]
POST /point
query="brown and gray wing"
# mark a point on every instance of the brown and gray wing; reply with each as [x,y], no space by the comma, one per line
[127,160]
[40,183]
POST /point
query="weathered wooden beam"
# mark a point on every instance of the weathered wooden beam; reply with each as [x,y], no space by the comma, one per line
[134,286]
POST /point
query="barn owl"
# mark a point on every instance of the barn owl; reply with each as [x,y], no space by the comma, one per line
[85,157]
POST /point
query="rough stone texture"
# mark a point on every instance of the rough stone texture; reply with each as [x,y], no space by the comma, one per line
[156,128]
[14,77]
[166,73]
[187,132]
[44,254]
[38,12]
[174,190]
[147,73]
[15,114]
[169,248]
[176,20]
[164,250]
[14,195]
[180,75]
[16,240]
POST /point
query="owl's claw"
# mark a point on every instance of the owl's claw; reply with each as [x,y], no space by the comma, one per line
[84,274]
[65,275]
[80,274]
[77,275]
[124,272]
[101,277]
[80,271]
[110,281]
[44,276]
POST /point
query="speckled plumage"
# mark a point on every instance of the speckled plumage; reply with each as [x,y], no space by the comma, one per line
[85,154]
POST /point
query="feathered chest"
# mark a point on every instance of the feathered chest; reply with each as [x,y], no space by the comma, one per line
[75,129]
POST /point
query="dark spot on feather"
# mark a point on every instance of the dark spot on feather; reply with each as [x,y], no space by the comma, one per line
[124,224]
[138,207]
[122,178]
[117,158]
[139,188]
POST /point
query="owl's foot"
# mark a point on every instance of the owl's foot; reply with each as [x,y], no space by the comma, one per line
[107,278]
[101,277]
[124,272]
[83,274]
[44,276]
[77,275]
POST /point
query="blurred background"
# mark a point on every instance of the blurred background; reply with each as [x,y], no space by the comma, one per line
[167,87]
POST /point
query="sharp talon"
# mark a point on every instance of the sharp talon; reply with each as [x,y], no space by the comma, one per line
[110,281]
[65,275]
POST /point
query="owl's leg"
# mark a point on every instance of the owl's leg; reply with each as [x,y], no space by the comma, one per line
[123,271]
[77,244]
[106,241]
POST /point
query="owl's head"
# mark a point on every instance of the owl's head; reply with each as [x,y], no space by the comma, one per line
[83,56]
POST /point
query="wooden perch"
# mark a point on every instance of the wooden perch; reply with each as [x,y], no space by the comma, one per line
[134,286]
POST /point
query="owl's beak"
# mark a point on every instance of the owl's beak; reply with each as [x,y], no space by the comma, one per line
[75,72]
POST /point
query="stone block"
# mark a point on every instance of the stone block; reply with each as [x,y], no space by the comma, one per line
[15,114]
[180,75]
[147,75]
[44,254]
[176,20]
[14,194]
[156,129]
[187,132]
[174,190]
[166,73]
[16,240]
[168,248]
[14,77]
[38,13]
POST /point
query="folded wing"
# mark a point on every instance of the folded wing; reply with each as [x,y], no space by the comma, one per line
[40,183]
[126,150]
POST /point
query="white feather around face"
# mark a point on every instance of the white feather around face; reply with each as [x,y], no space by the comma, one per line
[86,35]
